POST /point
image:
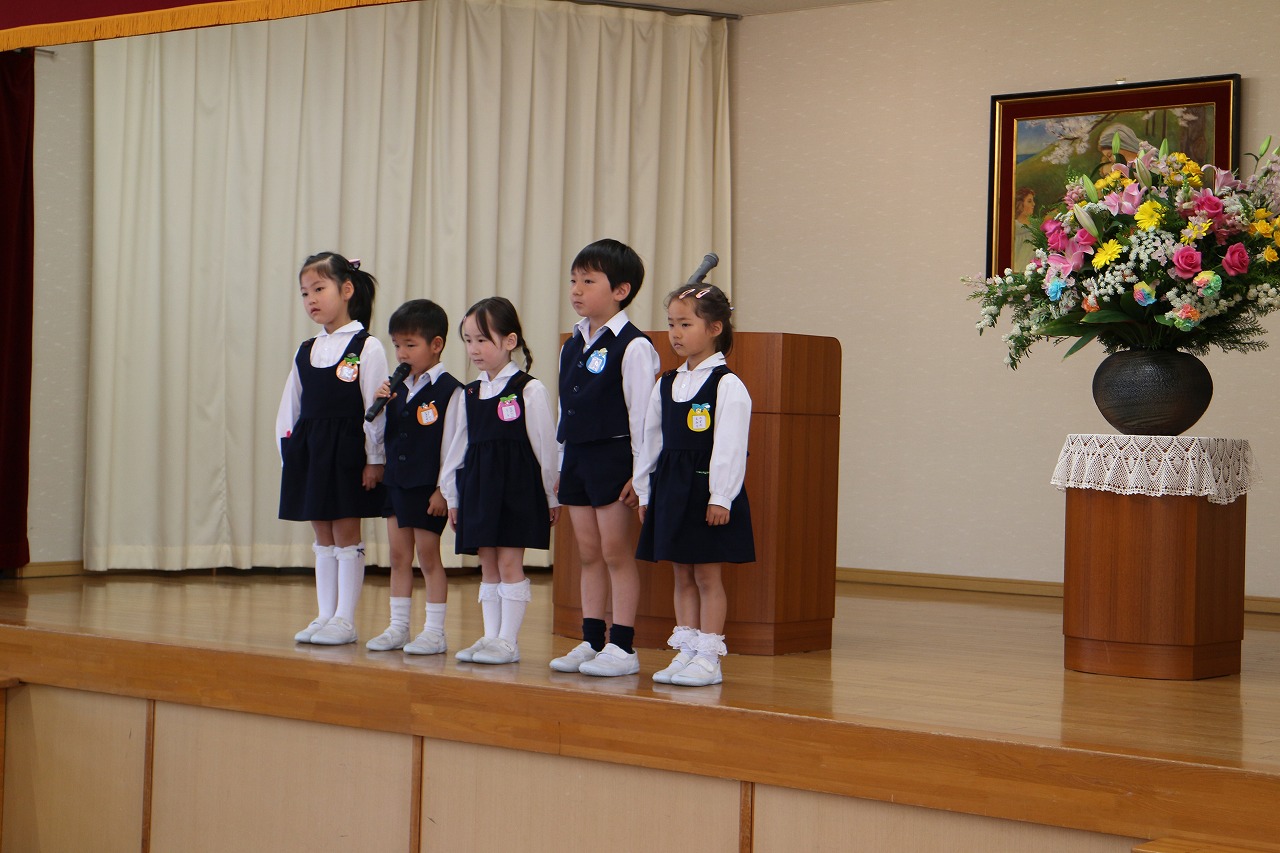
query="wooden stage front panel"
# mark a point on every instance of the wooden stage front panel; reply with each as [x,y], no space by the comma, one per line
[946,701]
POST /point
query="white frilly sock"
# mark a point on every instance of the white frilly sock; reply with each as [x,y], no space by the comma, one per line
[350,580]
[515,600]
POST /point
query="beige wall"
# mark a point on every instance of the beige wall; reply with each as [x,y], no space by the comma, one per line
[861,139]
[860,143]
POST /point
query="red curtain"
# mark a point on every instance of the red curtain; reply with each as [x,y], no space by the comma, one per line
[17,269]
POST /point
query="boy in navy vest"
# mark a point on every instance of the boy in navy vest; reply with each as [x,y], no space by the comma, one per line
[607,371]
[422,424]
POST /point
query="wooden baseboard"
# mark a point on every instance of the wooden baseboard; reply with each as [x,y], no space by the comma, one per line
[1049,589]
[51,570]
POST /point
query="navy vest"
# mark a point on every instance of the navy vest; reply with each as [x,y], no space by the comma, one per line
[592,405]
[415,431]
[324,394]
[679,419]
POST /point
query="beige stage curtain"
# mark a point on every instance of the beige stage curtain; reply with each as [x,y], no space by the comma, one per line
[460,149]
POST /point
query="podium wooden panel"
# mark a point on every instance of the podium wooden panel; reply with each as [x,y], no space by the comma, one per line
[785,601]
[1153,586]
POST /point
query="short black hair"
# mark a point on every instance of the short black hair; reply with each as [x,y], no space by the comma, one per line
[420,317]
[618,261]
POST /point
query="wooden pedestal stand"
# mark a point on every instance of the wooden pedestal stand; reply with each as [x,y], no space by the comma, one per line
[785,601]
[1154,586]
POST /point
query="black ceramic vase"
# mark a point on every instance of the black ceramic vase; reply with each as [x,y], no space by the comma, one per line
[1152,392]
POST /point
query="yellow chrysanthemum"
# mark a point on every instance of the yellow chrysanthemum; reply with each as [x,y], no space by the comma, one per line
[1192,173]
[1149,215]
[1270,255]
[1105,254]
[1178,159]
[1107,181]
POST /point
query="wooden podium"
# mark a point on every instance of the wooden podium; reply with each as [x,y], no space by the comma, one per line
[785,601]
[1154,584]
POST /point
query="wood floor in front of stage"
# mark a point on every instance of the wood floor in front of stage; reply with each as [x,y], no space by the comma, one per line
[973,678]
[924,660]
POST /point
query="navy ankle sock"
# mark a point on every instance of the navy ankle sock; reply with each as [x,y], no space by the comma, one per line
[593,632]
[622,636]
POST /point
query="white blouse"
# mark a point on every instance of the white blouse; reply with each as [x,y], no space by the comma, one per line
[729,427]
[327,351]
[640,365]
[538,424]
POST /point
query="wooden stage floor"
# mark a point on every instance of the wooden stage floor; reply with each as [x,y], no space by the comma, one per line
[947,700]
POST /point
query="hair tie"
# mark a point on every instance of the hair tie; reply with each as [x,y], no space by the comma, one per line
[354,263]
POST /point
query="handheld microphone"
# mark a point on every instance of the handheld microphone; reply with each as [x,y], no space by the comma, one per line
[402,370]
[708,261]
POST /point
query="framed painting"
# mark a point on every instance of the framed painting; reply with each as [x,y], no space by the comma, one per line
[1039,138]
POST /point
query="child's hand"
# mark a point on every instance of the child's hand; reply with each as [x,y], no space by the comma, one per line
[629,496]
[453,518]
[436,505]
[372,476]
[555,513]
[641,510]
[384,390]
[717,515]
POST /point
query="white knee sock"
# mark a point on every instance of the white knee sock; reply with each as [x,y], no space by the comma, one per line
[400,612]
[350,580]
[435,617]
[490,608]
[326,580]
[515,600]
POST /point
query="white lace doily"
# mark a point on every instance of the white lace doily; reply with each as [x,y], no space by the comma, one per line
[1217,468]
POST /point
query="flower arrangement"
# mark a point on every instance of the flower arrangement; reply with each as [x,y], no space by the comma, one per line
[1159,253]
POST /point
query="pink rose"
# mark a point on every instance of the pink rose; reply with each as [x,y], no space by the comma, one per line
[1084,239]
[1207,204]
[1236,261]
[1186,262]
[1055,234]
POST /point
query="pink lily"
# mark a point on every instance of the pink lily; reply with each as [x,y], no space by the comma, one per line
[1221,179]
[1125,201]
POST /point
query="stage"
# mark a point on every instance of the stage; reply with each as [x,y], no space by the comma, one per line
[175,712]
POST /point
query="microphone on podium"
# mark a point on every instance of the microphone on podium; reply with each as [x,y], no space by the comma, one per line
[398,376]
[709,260]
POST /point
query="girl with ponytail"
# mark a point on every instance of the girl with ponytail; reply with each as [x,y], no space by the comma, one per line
[499,477]
[332,459]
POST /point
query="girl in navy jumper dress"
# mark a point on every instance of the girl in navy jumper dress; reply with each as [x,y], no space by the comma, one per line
[499,477]
[332,459]
[689,479]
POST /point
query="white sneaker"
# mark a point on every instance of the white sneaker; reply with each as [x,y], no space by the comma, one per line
[427,643]
[305,635]
[497,651]
[571,662]
[468,654]
[663,676]
[393,638]
[336,632]
[611,660]
[699,672]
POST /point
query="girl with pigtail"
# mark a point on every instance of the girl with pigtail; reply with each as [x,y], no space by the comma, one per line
[333,459]
[689,479]
[499,477]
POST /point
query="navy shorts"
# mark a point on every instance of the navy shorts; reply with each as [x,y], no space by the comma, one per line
[409,506]
[594,473]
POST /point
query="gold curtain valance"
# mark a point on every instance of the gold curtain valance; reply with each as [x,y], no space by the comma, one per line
[108,23]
